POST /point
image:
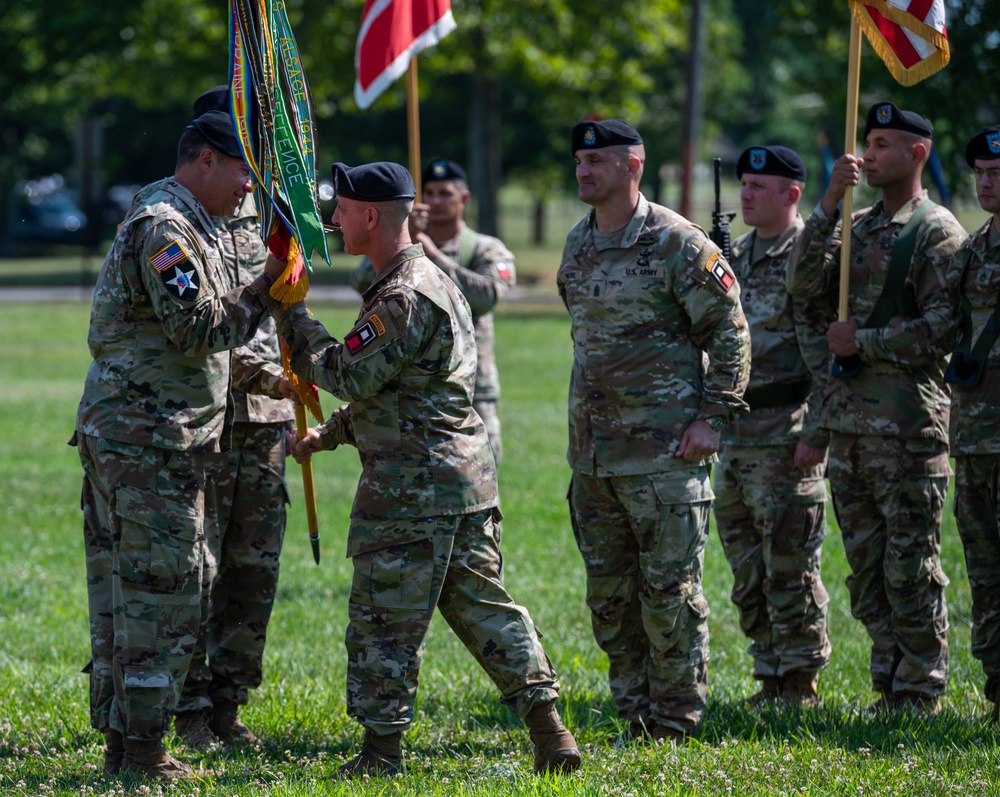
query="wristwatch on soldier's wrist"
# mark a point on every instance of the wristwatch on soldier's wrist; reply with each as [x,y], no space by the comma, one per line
[717,422]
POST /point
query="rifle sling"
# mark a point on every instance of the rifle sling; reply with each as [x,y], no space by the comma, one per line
[467,246]
[896,297]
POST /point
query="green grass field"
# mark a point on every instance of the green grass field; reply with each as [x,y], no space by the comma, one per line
[463,742]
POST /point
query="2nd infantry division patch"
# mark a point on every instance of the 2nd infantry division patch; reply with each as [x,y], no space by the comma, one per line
[364,333]
[176,271]
[722,274]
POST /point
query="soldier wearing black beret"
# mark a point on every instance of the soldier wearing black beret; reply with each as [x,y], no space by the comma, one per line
[481,265]
[974,371]
[645,417]
[887,408]
[770,495]
[427,497]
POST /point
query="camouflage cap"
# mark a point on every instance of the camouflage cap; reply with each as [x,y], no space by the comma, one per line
[886,116]
[984,145]
[779,161]
[373,182]
[607,133]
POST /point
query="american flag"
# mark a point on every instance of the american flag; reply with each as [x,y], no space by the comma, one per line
[168,256]
[909,35]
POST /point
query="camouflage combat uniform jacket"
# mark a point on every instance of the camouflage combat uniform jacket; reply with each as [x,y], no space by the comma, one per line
[900,391]
[789,348]
[975,416]
[483,284]
[407,368]
[646,305]
[166,313]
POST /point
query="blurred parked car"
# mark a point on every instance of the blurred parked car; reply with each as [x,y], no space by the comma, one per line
[46,210]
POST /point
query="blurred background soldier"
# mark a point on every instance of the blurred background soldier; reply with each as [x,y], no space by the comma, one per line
[888,460]
[152,420]
[975,423]
[770,493]
[481,266]
[425,526]
[650,297]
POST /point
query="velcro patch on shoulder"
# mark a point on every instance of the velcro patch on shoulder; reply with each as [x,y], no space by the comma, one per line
[717,267]
[503,269]
[368,331]
[171,254]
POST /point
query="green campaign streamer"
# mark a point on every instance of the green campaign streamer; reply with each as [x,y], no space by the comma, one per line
[274,119]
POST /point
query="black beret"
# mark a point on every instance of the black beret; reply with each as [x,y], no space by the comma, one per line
[218,129]
[885,115]
[984,145]
[441,169]
[215,99]
[373,182]
[779,161]
[607,133]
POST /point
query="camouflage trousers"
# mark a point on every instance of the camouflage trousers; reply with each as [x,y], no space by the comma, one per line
[487,409]
[977,511]
[143,526]
[240,578]
[771,518]
[889,494]
[456,565]
[643,556]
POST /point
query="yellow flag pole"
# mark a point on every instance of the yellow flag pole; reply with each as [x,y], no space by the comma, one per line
[850,137]
[308,485]
[413,124]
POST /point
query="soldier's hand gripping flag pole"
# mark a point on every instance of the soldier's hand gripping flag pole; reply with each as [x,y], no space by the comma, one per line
[911,39]
[274,122]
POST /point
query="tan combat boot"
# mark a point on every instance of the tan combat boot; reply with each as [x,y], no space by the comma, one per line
[380,756]
[192,728]
[770,692]
[227,726]
[150,760]
[799,688]
[555,747]
[114,752]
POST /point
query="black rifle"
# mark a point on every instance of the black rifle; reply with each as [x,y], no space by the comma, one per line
[720,220]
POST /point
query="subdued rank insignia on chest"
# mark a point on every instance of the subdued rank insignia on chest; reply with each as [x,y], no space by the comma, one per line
[362,335]
[503,269]
[718,269]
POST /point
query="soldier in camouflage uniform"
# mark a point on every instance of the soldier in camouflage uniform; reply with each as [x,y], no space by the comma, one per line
[650,298]
[166,314]
[770,504]
[888,462]
[481,266]
[244,544]
[975,423]
[425,527]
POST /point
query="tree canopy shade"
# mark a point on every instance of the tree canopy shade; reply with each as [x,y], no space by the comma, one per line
[500,93]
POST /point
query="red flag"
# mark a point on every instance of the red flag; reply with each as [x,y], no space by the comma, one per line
[392,32]
[909,35]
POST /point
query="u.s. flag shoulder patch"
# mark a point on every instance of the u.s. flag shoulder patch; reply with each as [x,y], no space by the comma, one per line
[718,269]
[371,329]
[170,255]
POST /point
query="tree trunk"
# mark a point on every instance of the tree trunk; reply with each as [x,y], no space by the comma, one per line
[485,149]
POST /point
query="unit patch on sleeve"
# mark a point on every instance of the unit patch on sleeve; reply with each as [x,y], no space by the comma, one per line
[720,271]
[503,269]
[175,269]
[363,334]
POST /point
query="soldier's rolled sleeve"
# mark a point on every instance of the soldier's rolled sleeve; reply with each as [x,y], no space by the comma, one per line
[814,257]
